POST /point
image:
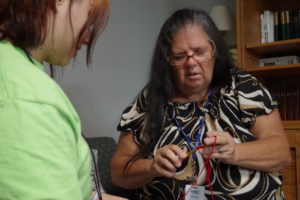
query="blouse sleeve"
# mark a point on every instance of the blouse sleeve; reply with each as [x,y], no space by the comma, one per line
[253,98]
[133,117]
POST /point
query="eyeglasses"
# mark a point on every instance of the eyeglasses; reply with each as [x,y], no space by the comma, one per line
[181,59]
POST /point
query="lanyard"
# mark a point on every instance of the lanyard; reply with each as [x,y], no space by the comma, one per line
[201,124]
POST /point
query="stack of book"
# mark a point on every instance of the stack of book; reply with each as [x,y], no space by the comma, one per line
[280,25]
[281,60]
[289,101]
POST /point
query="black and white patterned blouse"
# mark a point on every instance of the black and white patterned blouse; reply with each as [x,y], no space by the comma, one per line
[232,108]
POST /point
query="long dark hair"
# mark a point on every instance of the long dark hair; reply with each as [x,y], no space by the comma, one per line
[161,87]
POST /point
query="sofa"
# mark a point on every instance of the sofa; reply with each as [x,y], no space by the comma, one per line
[105,147]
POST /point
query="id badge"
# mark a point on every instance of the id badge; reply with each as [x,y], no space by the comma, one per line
[194,193]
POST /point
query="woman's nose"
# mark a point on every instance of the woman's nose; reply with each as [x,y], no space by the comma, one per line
[191,60]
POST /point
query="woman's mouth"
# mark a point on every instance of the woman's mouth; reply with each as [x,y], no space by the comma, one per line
[194,75]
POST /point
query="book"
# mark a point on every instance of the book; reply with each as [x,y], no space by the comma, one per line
[287,25]
[262,30]
[296,23]
[268,26]
[295,103]
[292,28]
[282,26]
[281,60]
[271,23]
[276,26]
[289,104]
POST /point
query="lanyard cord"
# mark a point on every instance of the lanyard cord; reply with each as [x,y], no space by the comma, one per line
[208,173]
[198,137]
[201,124]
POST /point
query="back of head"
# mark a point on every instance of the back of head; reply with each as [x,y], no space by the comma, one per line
[25,22]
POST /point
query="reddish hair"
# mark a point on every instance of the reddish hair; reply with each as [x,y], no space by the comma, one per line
[25,21]
[95,24]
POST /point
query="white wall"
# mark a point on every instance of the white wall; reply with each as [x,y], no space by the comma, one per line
[120,63]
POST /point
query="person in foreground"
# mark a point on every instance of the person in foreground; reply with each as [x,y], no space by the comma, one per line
[196,97]
[42,152]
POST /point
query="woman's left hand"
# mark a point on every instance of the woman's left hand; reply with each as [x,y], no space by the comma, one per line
[220,145]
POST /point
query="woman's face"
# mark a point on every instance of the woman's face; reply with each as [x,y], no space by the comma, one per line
[193,57]
[59,47]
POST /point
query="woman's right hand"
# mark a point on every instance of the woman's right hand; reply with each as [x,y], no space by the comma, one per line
[130,174]
[166,160]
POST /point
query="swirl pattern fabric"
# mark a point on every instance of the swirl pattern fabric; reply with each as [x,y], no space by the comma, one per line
[232,108]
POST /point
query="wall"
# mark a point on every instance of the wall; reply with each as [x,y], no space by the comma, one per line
[121,64]
[204,4]
[207,5]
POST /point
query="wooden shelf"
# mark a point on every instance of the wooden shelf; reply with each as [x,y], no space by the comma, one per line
[278,79]
[291,124]
[276,71]
[278,47]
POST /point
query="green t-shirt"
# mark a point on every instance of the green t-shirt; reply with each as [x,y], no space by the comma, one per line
[42,152]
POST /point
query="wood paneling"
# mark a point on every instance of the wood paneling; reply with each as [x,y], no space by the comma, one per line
[250,50]
[291,175]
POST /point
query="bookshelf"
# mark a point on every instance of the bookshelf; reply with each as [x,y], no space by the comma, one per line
[283,47]
[276,78]
[251,50]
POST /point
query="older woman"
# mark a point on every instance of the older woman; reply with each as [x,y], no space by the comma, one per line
[195,97]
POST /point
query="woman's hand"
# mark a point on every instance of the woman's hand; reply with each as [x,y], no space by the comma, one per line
[135,174]
[166,160]
[224,148]
[270,151]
